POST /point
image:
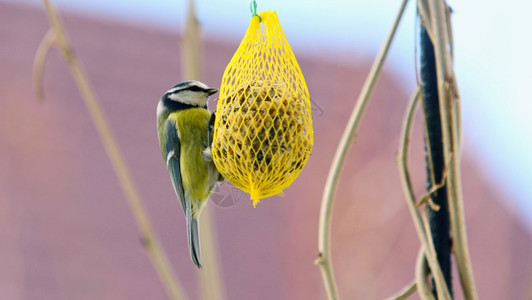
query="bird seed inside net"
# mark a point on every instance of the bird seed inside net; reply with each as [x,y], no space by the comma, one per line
[263,140]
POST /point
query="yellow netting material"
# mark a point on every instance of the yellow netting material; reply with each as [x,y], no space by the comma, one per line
[263,130]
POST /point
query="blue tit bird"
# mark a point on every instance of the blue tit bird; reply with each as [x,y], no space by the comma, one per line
[184,126]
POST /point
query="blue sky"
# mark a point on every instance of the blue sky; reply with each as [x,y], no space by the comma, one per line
[492,59]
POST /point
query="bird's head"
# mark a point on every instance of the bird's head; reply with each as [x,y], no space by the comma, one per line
[186,94]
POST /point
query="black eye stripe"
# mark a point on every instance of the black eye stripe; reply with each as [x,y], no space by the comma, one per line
[193,88]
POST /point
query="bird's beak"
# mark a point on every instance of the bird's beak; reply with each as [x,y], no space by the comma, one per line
[211,91]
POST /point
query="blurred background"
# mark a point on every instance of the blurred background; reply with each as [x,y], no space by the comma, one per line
[67,232]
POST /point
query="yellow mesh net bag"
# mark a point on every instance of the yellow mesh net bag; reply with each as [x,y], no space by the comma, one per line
[263,130]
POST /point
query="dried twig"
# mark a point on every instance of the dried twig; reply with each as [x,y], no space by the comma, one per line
[419,222]
[40,60]
[324,260]
[191,49]
[211,284]
[435,187]
[422,274]
[150,242]
[210,280]
[405,292]
[449,109]
[424,15]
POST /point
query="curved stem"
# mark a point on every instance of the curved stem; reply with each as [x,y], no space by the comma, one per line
[422,274]
[40,60]
[449,107]
[211,283]
[191,45]
[405,292]
[324,260]
[436,165]
[148,238]
[424,234]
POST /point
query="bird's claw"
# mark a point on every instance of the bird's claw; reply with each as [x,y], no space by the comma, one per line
[207,154]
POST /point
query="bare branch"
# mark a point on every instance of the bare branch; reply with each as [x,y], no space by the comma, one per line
[211,284]
[424,234]
[40,61]
[148,238]
[422,275]
[324,260]
[405,292]
[450,113]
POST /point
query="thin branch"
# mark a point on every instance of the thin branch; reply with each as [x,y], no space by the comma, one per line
[450,133]
[191,45]
[211,283]
[419,223]
[441,39]
[436,164]
[422,274]
[442,290]
[405,292]
[448,14]
[424,15]
[210,280]
[40,60]
[150,241]
[324,260]
[435,187]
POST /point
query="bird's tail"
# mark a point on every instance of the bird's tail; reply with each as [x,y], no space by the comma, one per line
[193,238]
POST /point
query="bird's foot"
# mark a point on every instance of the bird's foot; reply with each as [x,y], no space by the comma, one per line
[207,154]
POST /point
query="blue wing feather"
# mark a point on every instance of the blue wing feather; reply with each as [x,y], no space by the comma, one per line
[173,150]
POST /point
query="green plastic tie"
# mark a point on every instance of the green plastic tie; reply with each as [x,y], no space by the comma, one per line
[253,8]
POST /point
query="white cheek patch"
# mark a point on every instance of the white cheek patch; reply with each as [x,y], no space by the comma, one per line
[174,97]
[189,97]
